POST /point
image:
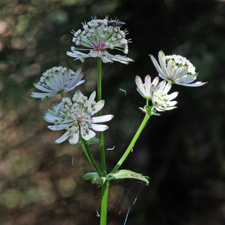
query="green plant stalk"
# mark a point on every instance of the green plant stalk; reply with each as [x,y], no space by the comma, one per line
[99,95]
[105,186]
[131,145]
[87,152]
[104,203]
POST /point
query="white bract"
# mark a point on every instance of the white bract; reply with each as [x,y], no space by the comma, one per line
[97,37]
[56,81]
[157,93]
[176,69]
[146,89]
[76,117]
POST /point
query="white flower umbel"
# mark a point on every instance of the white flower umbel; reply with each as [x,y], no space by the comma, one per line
[76,117]
[97,37]
[176,69]
[157,93]
[56,81]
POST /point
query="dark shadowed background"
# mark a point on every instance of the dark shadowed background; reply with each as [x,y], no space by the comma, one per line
[182,151]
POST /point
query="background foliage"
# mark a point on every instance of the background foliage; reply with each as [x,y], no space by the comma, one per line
[182,150]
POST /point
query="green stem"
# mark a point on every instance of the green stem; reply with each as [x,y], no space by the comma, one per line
[131,145]
[61,94]
[104,203]
[99,94]
[90,158]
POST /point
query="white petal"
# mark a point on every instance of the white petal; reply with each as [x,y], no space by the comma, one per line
[100,119]
[170,108]
[155,81]
[41,88]
[99,127]
[105,59]
[162,61]
[167,88]
[74,139]
[52,84]
[77,54]
[124,58]
[80,82]
[60,80]
[196,84]
[62,138]
[51,118]
[67,76]
[163,76]
[173,103]
[75,81]
[88,136]
[97,107]
[158,68]
[140,85]
[95,54]
[74,84]
[148,86]
[171,69]
[92,97]
[58,127]
[180,73]
[185,80]
[121,59]
[42,95]
[173,95]
[161,86]
[141,93]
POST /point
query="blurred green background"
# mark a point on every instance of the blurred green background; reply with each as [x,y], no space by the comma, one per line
[182,150]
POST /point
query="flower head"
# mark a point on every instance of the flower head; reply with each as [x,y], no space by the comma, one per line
[97,37]
[76,117]
[176,69]
[157,93]
[56,81]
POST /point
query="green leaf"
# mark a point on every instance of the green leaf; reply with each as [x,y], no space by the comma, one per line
[123,174]
[94,177]
[90,175]
[91,141]
[155,113]
[142,109]
[45,99]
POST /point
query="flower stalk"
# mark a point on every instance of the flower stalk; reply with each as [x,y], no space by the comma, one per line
[90,158]
[131,145]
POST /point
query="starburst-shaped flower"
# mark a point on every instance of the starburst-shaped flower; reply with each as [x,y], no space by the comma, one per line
[157,93]
[56,81]
[76,117]
[97,37]
[176,69]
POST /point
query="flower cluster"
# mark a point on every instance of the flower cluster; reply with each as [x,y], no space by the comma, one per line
[98,36]
[56,81]
[176,69]
[76,117]
[157,93]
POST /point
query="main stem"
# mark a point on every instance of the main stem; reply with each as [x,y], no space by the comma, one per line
[104,203]
[131,145]
[99,94]
[105,186]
